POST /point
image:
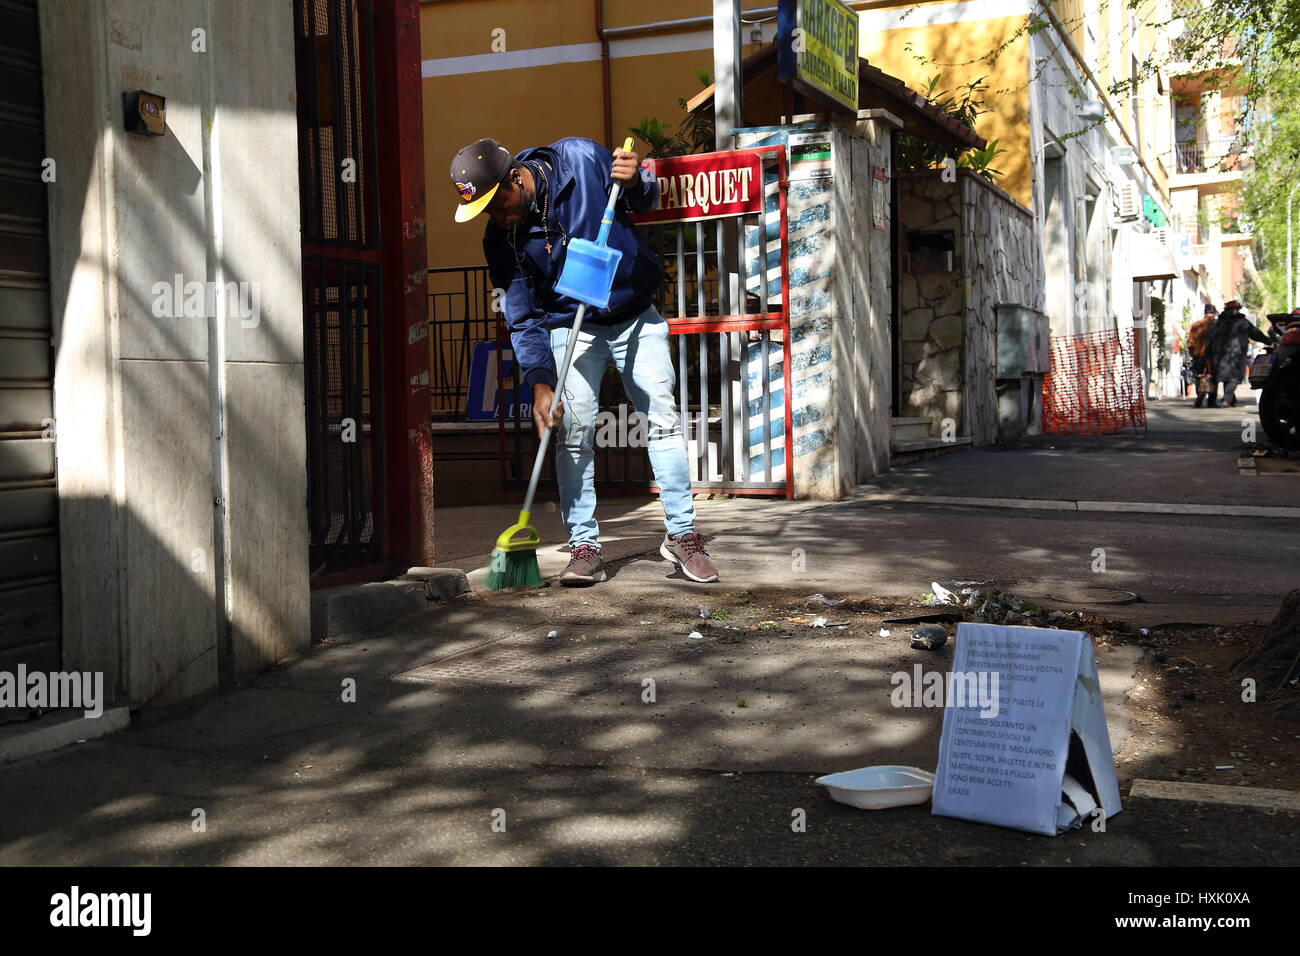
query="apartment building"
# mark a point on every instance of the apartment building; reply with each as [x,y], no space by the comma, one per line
[1093,166]
[1211,158]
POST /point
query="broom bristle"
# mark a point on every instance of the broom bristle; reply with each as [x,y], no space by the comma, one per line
[513,569]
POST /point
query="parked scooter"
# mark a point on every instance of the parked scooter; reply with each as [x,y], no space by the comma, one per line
[1276,373]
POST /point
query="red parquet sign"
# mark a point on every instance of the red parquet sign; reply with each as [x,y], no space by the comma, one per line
[705,186]
[1095,385]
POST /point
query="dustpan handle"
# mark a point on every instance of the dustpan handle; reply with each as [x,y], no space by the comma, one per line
[614,192]
[572,344]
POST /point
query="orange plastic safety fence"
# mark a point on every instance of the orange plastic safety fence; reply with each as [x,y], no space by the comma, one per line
[1094,386]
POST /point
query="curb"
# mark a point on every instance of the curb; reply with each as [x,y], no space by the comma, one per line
[357,608]
[1113,507]
[57,731]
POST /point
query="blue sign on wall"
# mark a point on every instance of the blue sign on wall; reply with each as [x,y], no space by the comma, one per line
[481,397]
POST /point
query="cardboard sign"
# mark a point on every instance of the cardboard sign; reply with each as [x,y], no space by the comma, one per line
[817,50]
[705,186]
[1041,760]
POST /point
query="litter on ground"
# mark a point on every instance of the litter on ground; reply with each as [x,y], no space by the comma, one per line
[929,637]
[820,598]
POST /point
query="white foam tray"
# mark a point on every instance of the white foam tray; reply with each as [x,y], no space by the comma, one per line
[876,788]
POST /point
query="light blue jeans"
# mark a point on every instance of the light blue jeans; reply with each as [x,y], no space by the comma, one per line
[639,348]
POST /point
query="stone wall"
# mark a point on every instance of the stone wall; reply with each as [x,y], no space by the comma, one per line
[999,246]
[931,305]
[947,321]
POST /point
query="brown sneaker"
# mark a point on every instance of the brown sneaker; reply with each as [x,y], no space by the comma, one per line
[687,552]
[585,567]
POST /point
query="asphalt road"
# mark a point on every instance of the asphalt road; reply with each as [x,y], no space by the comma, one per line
[476,738]
[520,760]
[1185,454]
[1185,569]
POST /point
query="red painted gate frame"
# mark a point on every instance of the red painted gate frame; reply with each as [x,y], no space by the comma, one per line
[760,321]
[399,108]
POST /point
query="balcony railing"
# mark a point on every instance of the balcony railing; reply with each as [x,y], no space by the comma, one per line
[1212,156]
[1191,49]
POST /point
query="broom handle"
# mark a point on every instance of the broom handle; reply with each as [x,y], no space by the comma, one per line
[570,347]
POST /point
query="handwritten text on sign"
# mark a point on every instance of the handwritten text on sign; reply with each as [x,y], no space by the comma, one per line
[705,186]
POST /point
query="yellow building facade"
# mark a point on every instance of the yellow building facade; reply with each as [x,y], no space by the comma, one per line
[528,73]
[1087,128]
[965,41]
[533,73]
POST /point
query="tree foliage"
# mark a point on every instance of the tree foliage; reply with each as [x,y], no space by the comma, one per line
[965,104]
[1274,178]
[1254,45]
[694,134]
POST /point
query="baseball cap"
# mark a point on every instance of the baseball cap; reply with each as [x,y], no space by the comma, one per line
[477,172]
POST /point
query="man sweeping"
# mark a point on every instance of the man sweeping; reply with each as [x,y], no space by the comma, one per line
[536,202]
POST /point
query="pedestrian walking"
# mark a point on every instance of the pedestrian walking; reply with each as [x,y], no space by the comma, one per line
[1198,337]
[1186,374]
[536,201]
[1227,351]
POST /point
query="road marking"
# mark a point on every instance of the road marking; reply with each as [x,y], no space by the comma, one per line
[1114,507]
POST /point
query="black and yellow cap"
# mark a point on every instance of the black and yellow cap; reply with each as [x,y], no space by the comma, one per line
[477,172]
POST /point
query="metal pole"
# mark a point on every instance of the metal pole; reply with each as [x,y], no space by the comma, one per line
[1290,273]
[727,112]
[726,71]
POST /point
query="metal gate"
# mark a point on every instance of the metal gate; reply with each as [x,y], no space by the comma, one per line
[461,319]
[342,281]
[29,538]
[729,347]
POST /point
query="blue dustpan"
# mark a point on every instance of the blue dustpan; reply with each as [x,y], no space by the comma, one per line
[588,273]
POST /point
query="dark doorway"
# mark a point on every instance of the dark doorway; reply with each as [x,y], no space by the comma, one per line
[365,349]
[343,278]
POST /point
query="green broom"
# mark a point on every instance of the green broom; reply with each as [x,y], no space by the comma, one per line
[514,562]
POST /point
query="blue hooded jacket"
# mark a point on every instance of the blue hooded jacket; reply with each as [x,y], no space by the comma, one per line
[577,174]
